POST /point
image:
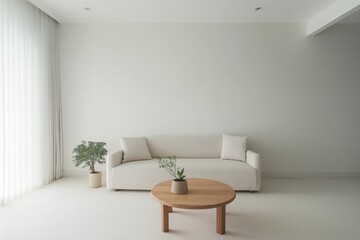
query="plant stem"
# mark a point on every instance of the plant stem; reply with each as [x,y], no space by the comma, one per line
[92,167]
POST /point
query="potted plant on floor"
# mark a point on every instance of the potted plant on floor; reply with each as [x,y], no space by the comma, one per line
[179,184]
[89,153]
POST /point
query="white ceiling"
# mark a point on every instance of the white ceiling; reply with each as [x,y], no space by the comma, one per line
[181,11]
[317,14]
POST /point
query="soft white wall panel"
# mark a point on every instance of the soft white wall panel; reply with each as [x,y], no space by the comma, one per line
[296,97]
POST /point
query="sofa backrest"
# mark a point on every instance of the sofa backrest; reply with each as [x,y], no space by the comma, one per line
[183,147]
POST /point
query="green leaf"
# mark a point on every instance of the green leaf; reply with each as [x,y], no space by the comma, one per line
[89,153]
[170,166]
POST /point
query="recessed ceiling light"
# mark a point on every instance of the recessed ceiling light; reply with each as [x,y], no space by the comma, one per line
[87,9]
[258,9]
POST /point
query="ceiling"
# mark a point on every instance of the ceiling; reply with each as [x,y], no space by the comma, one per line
[181,11]
[317,14]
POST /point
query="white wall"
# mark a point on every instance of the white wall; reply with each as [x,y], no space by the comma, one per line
[296,97]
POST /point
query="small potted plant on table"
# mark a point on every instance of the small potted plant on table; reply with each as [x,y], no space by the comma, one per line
[179,184]
[89,153]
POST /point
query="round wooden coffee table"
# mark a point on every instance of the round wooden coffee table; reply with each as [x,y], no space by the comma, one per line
[203,194]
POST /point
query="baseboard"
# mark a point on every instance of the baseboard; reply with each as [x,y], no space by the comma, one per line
[80,174]
[266,174]
[75,174]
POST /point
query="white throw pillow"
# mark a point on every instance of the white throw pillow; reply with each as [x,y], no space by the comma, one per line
[134,149]
[234,147]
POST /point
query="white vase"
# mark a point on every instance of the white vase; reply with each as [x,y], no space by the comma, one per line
[179,187]
[95,179]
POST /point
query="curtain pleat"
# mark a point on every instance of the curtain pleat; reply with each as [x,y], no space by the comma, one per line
[31,149]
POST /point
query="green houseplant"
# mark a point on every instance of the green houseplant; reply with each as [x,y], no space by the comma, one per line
[179,184]
[88,154]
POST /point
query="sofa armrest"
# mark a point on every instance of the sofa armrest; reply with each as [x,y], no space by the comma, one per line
[253,159]
[112,160]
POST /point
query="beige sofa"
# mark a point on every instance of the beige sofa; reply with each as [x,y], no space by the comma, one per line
[200,156]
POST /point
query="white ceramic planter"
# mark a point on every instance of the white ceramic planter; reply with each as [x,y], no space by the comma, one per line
[95,179]
[179,187]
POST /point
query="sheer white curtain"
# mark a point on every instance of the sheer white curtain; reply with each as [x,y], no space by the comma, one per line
[30,100]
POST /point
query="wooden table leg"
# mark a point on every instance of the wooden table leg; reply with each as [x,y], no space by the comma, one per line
[165,217]
[220,219]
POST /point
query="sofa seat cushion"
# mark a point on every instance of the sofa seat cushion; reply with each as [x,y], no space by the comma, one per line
[143,175]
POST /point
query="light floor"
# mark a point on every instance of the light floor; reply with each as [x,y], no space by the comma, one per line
[285,209]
